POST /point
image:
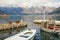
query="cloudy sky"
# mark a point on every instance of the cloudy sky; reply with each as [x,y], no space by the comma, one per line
[29,3]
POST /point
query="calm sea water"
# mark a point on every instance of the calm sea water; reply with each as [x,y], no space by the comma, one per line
[40,35]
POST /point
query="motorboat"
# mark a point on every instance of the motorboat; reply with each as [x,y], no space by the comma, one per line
[28,34]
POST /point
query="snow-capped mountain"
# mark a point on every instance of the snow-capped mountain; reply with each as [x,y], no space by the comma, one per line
[38,10]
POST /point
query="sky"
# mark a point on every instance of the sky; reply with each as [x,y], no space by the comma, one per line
[29,3]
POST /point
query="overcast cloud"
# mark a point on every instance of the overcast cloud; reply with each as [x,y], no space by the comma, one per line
[29,3]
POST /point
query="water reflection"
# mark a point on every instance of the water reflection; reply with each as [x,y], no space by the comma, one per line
[7,33]
[48,36]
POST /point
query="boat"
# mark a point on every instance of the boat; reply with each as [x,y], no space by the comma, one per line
[50,26]
[39,21]
[28,34]
[11,25]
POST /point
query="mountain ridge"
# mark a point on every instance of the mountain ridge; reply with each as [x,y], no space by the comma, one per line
[11,10]
[56,11]
[26,11]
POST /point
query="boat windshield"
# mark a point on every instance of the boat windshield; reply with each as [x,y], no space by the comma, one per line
[28,32]
[25,36]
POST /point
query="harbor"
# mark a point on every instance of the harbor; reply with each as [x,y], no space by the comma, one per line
[25,24]
[30,25]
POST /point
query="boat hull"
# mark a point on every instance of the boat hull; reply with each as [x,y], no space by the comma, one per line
[28,34]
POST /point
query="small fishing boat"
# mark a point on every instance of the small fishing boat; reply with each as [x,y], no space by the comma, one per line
[28,34]
[39,21]
[50,26]
[12,25]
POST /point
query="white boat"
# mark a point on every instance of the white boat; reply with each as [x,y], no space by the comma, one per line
[28,34]
[39,21]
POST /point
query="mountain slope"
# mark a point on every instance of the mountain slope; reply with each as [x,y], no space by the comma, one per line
[12,10]
[56,11]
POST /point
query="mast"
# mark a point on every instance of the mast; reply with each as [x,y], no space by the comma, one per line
[44,13]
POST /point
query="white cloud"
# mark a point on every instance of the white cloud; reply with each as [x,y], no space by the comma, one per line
[14,2]
[53,4]
[6,2]
[24,3]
